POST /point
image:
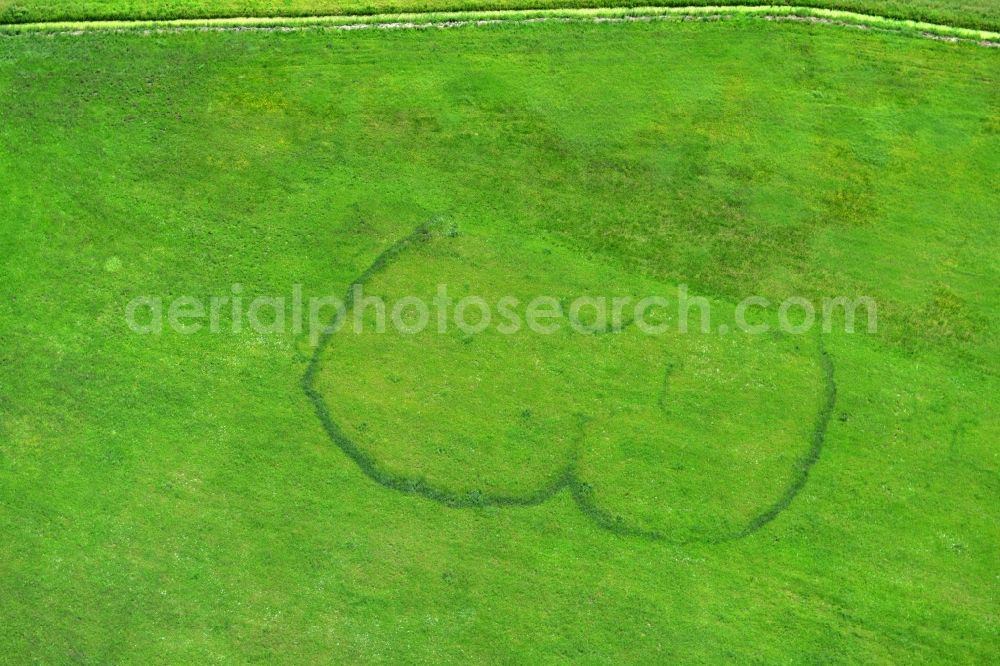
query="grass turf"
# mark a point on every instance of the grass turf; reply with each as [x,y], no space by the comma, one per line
[982,14]
[176,498]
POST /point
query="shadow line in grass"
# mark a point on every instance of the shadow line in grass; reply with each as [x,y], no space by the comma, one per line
[567,479]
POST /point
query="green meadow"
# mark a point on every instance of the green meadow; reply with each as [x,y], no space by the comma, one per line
[588,496]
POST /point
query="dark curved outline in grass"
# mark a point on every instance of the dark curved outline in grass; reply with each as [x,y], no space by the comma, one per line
[581,492]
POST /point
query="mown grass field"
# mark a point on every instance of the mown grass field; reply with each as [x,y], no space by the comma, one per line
[981,14]
[181,498]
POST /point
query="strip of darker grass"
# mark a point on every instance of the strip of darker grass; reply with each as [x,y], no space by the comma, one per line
[968,13]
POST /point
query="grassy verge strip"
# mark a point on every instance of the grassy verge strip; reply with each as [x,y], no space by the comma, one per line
[461,18]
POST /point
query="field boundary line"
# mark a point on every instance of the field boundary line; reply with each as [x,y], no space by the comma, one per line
[451,19]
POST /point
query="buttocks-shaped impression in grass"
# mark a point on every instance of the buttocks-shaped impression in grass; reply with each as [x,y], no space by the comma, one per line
[654,432]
